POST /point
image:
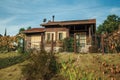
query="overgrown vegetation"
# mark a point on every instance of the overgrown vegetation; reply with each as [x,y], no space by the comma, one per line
[7,43]
[68,44]
[72,71]
[68,67]
[42,66]
[9,61]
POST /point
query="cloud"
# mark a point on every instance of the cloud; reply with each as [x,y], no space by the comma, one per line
[115,10]
[7,20]
[16,14]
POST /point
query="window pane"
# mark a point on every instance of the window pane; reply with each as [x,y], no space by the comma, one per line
[82,41]
[48,36]
[60,36]
[82,44]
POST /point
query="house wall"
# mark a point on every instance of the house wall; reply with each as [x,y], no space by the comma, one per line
[33,41]
[27,42]
[56,31]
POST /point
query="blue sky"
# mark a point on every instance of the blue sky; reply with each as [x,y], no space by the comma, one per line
[15,14]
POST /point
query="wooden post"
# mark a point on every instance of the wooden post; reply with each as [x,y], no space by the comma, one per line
[74,42]
[90,35]
[102,41]
[52,43]
[23,46]
[41,44]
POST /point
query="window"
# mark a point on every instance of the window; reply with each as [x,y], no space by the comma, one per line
[60,36]
[48,36]
[81,38]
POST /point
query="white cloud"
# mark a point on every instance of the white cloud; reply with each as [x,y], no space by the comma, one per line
[7,20]
[115,10]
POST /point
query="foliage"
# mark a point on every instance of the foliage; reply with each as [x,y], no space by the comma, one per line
[68,44]
[112,42]
[72,72]
[20,42]
[96,66]
[8,61]
[7,43]
[21,29]
[43,66]
[110,24]
[29,28]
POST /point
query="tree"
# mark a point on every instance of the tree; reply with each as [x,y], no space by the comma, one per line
[110,24]
[29,28]
[21,29]
[5,32]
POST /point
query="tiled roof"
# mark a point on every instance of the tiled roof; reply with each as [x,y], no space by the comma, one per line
[34,30]
[72,22]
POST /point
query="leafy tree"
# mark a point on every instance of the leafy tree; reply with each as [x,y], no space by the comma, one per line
[21,29]
[110,24]
[29,27]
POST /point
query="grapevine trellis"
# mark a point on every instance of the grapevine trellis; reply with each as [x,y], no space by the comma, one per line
[112,42]
[10,43]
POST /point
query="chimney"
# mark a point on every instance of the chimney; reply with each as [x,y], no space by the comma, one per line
[53,18]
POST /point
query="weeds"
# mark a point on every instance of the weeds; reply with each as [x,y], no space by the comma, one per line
[43,66]
[73,72]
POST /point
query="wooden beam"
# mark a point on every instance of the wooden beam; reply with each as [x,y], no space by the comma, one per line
[41,44]
[102,43]
[90,37]
[75,47]
[52,44]
[80,30]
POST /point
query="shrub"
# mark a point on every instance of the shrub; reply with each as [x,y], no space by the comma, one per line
[6,62]
[68,44]
[43,66]
[73,72]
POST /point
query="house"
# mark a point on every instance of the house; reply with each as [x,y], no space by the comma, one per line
[33,37]
[84,30]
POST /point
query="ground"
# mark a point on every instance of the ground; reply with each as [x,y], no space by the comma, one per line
[105,66]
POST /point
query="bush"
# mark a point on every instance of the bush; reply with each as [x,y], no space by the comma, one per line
[68,44]
[9,61]
[43,66]
[93,49]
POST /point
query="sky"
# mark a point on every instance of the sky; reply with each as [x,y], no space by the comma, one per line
[16,14]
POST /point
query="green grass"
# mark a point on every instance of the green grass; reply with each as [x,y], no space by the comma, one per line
[89,63]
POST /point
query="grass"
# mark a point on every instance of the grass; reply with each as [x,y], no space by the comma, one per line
[10,65]
[97,64]
[101,66]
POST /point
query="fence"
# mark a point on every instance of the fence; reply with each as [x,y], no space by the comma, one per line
[109,43]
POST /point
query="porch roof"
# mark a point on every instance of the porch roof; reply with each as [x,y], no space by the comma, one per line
[34,30]
[71,22]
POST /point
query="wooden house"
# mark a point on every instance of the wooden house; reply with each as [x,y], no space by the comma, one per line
[84,30]
[33,38]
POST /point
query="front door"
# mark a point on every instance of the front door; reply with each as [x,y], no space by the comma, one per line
[80,40]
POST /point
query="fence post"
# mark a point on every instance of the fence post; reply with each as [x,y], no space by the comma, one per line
[74,42]
[102,41]
[52,44]
[23,46]
[41,44]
